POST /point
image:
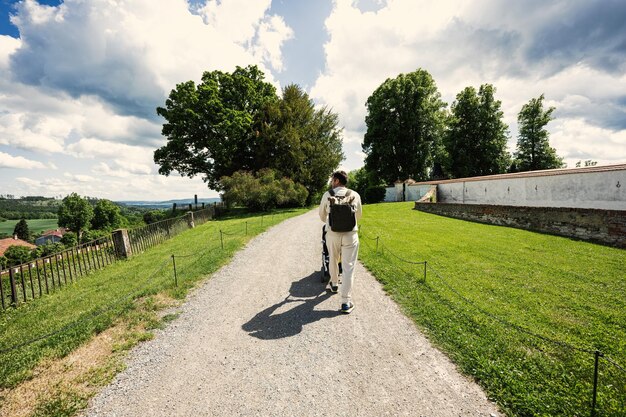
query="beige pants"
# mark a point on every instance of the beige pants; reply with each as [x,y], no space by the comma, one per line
[344,247]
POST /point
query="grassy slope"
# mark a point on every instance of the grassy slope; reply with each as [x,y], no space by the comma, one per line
[94,303]
[566,290]
[35,225]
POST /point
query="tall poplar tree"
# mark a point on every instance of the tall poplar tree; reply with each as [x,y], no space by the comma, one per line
[405,121]
[476,139]
[533,148]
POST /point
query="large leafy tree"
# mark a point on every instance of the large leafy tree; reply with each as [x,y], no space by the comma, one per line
[533,148]
[21,230]
[106,216]
[299,141]
[212,129]
[75,213]
[405,120]
[236,122]
[476,139]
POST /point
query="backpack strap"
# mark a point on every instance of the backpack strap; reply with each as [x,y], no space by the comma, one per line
[332,194]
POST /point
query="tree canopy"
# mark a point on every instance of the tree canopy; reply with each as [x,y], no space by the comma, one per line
[212,128]
[533,147]
[405,122]
[75,213]
[476,138]
[106,216]
[299,141]
[21,230]
[236,122]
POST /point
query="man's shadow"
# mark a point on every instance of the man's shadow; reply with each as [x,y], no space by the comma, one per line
[303,296]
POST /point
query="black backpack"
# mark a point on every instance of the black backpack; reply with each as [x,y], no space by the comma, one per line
[342,216]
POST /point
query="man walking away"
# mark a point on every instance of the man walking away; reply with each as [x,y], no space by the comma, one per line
[341,209]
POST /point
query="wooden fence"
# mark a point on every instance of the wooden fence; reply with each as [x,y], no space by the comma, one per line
[25,282]
[22,283]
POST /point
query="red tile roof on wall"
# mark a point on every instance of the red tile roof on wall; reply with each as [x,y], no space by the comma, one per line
[528,174]
[8,242]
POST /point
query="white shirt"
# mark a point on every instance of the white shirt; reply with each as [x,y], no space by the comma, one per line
[340,191]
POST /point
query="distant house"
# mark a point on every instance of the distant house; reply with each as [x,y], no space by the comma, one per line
[13,241]
[50,236]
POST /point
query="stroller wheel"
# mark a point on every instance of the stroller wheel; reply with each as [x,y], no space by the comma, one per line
[325,276]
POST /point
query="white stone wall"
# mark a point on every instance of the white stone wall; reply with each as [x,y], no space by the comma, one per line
[390,195]
[415,192]
[599,190]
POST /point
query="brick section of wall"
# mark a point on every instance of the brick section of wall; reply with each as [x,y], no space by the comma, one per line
[602,226]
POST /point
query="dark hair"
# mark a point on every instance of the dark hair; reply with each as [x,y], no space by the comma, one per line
[342,176]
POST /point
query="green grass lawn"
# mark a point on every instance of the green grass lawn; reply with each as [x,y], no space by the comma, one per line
[70,316]
[490,291]
[35,225]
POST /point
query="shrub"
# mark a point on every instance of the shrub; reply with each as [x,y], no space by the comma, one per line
[17,255]
[263,191]
[69,239]
[374,194]
[45,250]
[153,216]
[90,235]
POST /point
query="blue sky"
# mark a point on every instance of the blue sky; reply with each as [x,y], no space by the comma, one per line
[79,80]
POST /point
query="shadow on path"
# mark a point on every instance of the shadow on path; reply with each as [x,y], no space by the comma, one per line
[304,295]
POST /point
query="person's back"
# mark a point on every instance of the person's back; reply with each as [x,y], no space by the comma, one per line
[342,240]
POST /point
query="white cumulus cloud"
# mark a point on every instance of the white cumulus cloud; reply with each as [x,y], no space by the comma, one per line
[82,82]
[9,161]
[513,46]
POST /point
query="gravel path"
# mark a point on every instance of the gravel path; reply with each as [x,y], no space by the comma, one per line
[263,337]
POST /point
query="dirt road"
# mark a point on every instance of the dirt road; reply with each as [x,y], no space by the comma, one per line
[263,337]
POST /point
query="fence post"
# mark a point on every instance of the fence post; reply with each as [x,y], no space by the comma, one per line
[122,243]
[246,228]
[377,237]
[425,271]
[190,222]
[13,287]
[2,289]
[222,239]
[595,383]
[23,282]
[175,276]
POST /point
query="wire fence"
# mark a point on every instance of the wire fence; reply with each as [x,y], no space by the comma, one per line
[616,381]
[240,230]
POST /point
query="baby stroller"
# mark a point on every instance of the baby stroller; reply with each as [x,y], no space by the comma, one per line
[326,258]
